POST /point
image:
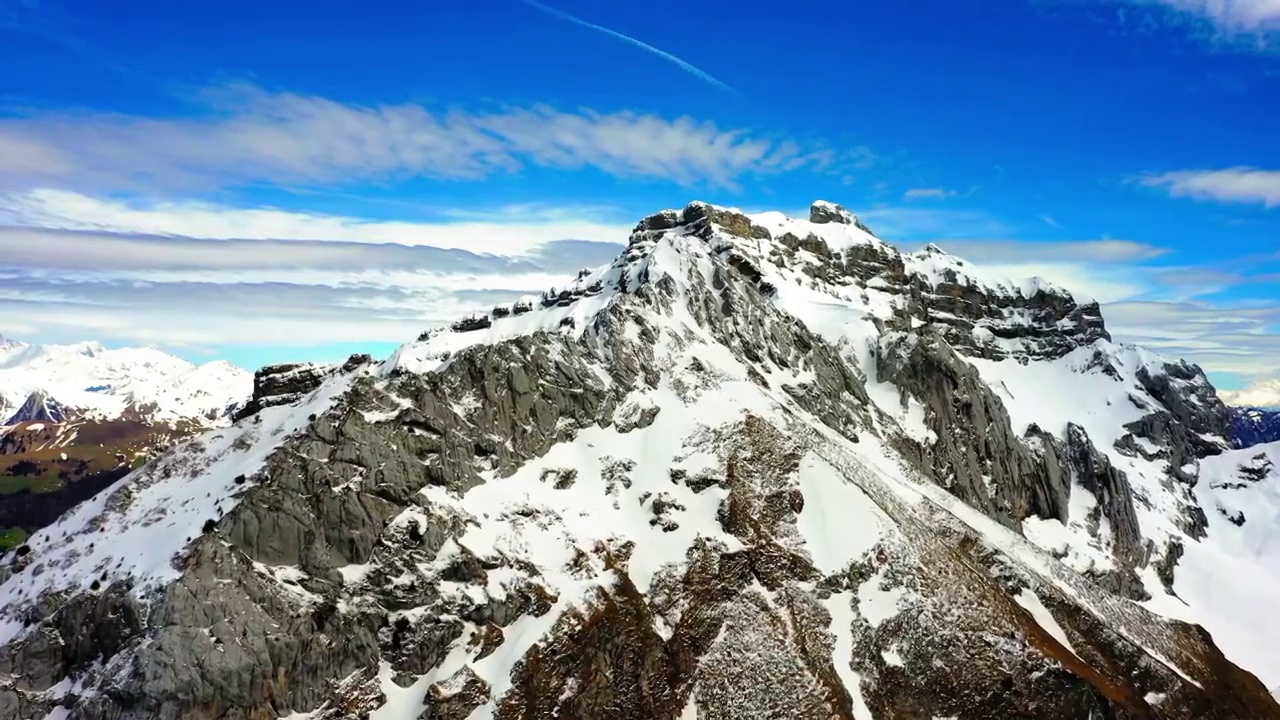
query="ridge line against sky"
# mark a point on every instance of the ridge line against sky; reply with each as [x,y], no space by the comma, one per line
[345,184]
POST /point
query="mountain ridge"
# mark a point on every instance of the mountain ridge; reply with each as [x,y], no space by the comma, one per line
[755,467]
[1254,426]
[104,384]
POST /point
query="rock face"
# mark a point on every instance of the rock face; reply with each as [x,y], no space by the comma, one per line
[281,385]
[38,408]
[825,212]
[741,472]
[977,456]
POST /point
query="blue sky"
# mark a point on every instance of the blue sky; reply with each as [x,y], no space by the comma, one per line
[384,166]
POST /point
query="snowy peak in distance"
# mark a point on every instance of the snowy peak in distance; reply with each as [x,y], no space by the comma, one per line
[91,381]
[39,408]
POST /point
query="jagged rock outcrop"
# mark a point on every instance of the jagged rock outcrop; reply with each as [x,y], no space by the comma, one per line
[976,454]
[822,211]
[679,496]
[1113,502]
[1034,323]
[281,385]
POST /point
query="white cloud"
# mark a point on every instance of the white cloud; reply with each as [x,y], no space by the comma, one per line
[1006,251]
[911,224]
[1263,393]
[1237,340]
[252,136]
[139,272]
[75,265]
[1236,185]
[511,230]
[928,193]
[1232,15]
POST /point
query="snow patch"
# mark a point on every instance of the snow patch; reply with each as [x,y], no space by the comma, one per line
[841,609]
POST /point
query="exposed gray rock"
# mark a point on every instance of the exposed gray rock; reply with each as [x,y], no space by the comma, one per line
[1092,471]
[349,557]
[39,407]
[825,212]
[282,384]
[976,454]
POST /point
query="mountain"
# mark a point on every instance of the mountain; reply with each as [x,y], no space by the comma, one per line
[39,408]
[757,467]
[90,381]
[1254,426]
[76,418]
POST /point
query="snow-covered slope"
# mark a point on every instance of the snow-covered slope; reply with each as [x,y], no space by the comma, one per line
[88,380]
[1254,426]
[757,467]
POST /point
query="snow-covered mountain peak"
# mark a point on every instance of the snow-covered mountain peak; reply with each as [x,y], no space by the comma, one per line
[836,276]
[823,211]
[87,379]
[756,466]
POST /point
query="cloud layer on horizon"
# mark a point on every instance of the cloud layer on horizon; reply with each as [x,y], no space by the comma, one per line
[210,276]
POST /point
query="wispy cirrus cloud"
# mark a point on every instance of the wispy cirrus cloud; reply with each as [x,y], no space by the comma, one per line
[1229,15]
[929,193]
[243,135]
[511,230]
[682,64]
[76,266]
[1231,185]
[1237,339]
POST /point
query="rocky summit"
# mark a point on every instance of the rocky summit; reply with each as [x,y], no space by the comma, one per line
[757,467]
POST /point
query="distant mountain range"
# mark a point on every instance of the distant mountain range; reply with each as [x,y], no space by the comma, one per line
[52,383]
[1254,426]
[74,418]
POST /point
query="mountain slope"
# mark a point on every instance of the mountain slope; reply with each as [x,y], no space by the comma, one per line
[756,467]
[76,418]
[1254,426]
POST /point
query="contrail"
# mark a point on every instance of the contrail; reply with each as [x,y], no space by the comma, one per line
[643,46]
